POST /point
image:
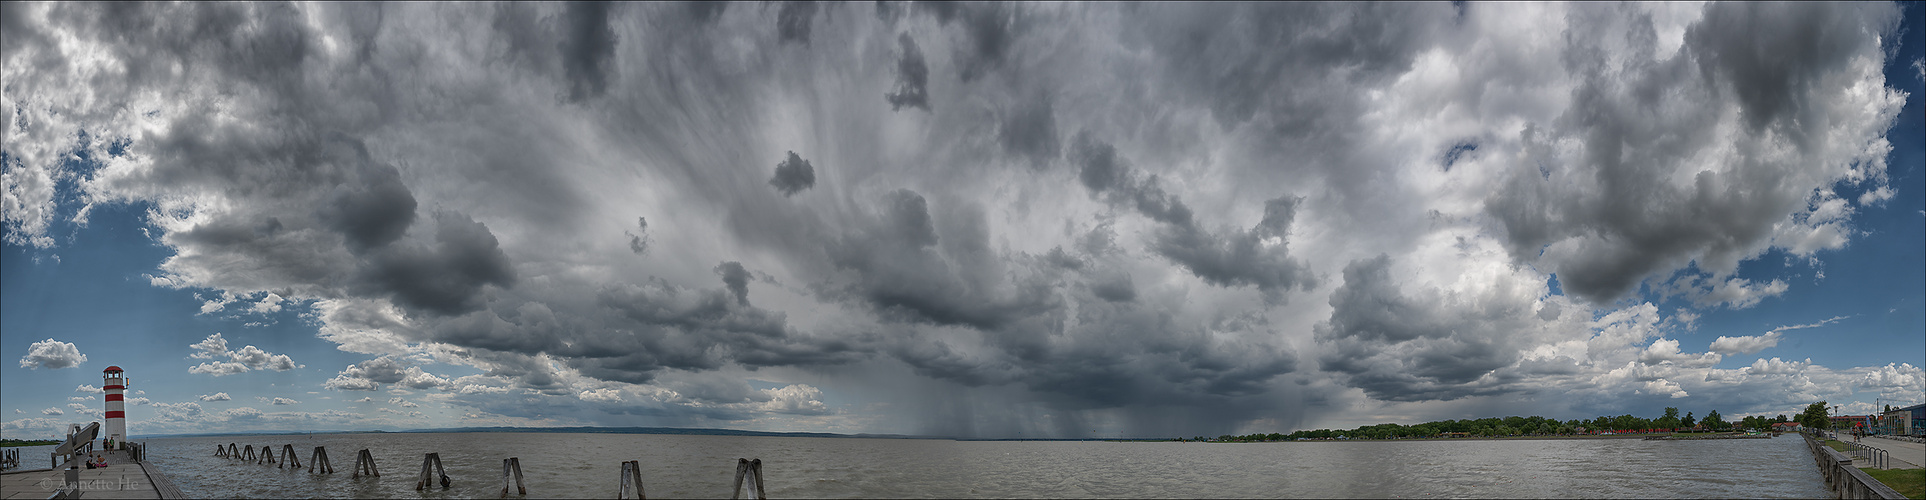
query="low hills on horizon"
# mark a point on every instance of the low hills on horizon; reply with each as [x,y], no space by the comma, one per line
[610,430]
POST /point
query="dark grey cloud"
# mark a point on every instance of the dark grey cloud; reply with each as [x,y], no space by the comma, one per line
[793,175]
[1115,288]
[522,33]
[1235,257]
[1428,346]
[1612,215]
[371,211]
[1030,131]
[588,51]
[364,22]
[670,327]
[639,240]
[1774,57]
[908,219]
[988,28]
[736,279]
[1226,54]
[921,267]
[705,12]
[356,157]
[447,277]
[903,273]
[912,77]
[1059,258]
[794,19]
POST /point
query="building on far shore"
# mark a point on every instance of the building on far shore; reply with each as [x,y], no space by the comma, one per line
[1850,423]
[1908,421]
[1788,427]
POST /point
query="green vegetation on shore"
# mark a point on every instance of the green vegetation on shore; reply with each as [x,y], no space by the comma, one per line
[8,443]
[1522,426]
[1909,482]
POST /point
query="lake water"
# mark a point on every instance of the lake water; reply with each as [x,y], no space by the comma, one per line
[588,465]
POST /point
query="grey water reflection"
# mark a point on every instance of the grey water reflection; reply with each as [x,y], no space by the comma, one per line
[587,465]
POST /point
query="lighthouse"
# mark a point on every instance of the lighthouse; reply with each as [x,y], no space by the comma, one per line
[115,385]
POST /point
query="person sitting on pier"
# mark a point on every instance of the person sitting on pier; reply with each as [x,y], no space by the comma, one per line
[100,462]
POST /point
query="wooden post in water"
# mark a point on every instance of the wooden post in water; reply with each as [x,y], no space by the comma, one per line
[435,460]
[519,484]
[220,451]
[248,453]
[745,467]
[233,451]
[288,458]
[319,461]
[364,464]
[426,462]
[755,466]
[267,454]
[513,467]
[632,479]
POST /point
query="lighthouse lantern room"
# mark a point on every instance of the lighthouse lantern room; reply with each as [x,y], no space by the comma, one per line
[116,386]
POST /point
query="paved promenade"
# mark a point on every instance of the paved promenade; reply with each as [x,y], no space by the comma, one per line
[121,479]
[1913,454]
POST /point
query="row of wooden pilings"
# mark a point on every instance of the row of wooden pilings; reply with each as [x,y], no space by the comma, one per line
[432,471]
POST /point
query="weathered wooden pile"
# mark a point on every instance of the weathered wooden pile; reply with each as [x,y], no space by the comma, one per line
[432,471]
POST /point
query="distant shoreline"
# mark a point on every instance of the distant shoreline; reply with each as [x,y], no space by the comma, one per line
[678,431]
[1494,438]
[554,430]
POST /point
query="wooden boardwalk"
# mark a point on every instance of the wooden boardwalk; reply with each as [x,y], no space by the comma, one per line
[121,479]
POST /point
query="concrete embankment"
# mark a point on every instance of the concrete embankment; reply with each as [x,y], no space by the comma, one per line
[1845,480]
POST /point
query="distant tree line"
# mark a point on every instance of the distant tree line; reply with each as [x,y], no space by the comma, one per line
[1540,426]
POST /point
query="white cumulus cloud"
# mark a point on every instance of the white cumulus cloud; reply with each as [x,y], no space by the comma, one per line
[52,354]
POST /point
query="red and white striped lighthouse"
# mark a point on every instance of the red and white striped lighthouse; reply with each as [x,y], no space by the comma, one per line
[116,405]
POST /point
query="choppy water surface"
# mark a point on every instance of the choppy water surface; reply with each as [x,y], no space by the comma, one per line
[588,465]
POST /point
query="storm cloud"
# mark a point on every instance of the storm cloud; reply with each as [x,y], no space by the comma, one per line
[793,175]
[912,78]
[1149,219]
[1256,257]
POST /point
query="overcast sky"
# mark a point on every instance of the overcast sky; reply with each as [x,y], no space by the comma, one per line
[984,220]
